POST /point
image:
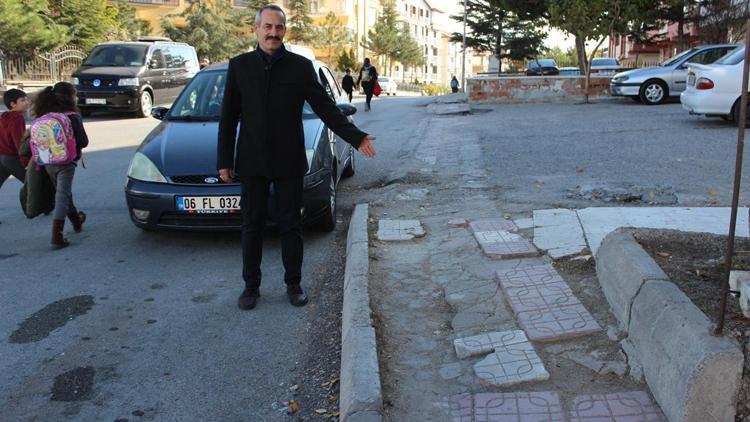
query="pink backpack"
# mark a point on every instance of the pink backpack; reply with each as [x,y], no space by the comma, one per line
[52,140]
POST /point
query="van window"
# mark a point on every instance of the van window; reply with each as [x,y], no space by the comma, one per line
[191,61]
[174,58]
[117,55]
[157,58]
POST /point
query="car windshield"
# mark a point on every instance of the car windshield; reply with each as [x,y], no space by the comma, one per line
[733,57]
[383,79]
[605,62]
[117,55]
[679,57]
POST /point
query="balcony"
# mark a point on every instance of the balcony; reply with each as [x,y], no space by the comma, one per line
[157,2]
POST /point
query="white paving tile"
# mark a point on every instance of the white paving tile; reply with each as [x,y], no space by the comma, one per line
[524,223]
[487,343]
[559,232]
[510,365]
[389,230]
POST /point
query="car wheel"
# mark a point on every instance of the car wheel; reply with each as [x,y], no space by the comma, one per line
[727,117]
[635,98]
[736,113]
[145,104]
[653,92]
[349,169]
[327,221]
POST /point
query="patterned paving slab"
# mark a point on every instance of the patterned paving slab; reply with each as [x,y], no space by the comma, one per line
[496,236]
[510,250]
[512,364]
[457,223]
[555,323]
[540,297]
[539,406]
[492,224]
[537,275]
[634,406]
[487,343]
[460,407]
[399,229]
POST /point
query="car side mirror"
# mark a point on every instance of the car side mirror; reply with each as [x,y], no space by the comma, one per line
[159,112]
[347,109]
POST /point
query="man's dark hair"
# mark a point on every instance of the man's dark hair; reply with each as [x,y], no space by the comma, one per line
[11,96]
[269,7]
[348,70]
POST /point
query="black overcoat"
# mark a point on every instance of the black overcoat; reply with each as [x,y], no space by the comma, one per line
[267,101]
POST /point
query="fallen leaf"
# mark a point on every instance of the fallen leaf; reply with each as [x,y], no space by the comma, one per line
[537,185]
[294,388]
[335,413]
[333,398]
[321,411]
[712,193]
[293,406]
[579,170]
[664,254]
[507,216]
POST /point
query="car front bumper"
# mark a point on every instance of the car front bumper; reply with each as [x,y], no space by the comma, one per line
[115,98]
[153,206]
[624,89]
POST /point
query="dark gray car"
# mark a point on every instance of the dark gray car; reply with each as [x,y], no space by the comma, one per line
[653,85]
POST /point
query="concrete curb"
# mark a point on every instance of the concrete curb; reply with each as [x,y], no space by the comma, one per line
[361,398]
[693,375]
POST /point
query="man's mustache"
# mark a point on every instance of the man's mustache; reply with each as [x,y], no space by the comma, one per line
[271,37]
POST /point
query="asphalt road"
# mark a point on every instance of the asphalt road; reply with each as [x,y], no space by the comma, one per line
[132,324]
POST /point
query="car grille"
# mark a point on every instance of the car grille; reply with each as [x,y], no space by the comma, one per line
[104,82]
[195,179]
[233,220]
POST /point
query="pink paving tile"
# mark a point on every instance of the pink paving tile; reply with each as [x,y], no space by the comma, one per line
[634,406]
[540,297]
[460,407]
[559,322]
[510,250]
[537,275]
[492,224]
[457,223]
[519,406]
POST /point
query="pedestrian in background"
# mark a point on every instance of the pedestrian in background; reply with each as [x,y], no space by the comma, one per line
[454,85]
[368,75]
[265,91]
[12,128]
[57,119]
[348,83]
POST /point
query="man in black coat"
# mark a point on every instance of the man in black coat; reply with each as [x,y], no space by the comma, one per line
[265,92]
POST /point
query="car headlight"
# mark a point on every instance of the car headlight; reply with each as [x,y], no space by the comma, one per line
[128,82]
[141,168]
[74,81]
[620,78]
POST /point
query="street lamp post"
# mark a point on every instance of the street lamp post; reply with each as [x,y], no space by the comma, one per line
[463,55]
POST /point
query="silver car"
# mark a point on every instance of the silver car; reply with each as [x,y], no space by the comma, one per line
[652,85]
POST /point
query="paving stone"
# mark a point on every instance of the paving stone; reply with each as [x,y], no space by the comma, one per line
[634,406]
[457,223]
[557,323]
[487,343]
[399,230]
[518,406]
[510,250]
[460,407]
[491,224]
[537,275]
[540,297]
[510,365]
[496,236]
[451,371]
[524,223]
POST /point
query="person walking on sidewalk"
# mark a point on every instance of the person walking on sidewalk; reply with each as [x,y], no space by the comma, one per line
[58,119]
[368,75]
[12,128]
[348,84]
[265,92]
[454,85]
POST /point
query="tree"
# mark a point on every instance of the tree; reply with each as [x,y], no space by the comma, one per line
[384,38]
[89,22]
[409,53]
[300,24]
[130,27]
[587,20]
[563,58]
[346,60]
[508,28]
[26,27]
[217,31]
[331,34]
[721,20]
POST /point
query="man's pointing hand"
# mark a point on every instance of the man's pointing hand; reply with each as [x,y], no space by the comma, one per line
[366,147]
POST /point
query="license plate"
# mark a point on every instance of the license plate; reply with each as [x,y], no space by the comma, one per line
[691,79]
[208,204]
[96,101]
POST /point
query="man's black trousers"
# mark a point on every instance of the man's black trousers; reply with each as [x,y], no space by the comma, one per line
[287,213]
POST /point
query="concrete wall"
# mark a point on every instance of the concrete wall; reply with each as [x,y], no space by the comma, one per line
[526,89]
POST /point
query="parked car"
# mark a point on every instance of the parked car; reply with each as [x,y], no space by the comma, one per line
[548,67]
[714,90]
[388,85]
[605,66]
[133,76]
[653,85]
[172,180]
[570,71]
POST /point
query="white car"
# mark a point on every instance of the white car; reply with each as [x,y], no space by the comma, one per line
[388,85]
[714,90]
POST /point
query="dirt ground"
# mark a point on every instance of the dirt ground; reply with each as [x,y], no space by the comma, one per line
[695,263]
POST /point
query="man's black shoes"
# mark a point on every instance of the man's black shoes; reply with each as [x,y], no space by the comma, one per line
[248,299]
[297,297]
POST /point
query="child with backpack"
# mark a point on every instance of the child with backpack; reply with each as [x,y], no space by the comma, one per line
[57,138]
[12,128]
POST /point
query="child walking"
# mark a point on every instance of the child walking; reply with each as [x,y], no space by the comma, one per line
[12,128]
[57,121]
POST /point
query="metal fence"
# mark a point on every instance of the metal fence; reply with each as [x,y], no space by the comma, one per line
[52,66]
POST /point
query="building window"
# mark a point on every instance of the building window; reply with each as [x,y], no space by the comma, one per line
[427,13]
[434,51]
[396,68]
[413,10]
[421,12]
[314,6]
[434,70]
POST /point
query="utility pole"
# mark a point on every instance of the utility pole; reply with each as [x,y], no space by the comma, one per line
[463,55]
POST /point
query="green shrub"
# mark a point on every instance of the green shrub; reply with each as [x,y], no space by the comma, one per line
[435,89]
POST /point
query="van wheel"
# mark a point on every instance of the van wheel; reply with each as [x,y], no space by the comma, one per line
[145,104]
